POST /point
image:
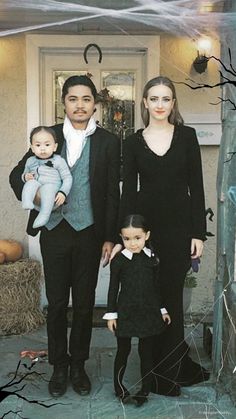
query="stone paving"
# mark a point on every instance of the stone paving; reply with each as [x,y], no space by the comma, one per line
[197,402]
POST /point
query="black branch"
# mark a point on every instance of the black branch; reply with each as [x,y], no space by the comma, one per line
[226,80]
[221,100]
[4,392]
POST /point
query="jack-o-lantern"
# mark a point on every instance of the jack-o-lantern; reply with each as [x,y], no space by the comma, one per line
[10,251]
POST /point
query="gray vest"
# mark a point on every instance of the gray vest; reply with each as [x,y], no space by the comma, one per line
[78,209]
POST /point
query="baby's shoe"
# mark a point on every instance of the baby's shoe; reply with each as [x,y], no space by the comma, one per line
[41,220]
[27,205]
[122,393]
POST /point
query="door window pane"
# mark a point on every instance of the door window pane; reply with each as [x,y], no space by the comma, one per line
[118,90]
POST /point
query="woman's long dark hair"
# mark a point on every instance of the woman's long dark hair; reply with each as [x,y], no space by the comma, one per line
[175,116]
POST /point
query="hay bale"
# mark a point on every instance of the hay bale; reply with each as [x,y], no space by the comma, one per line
[20,296]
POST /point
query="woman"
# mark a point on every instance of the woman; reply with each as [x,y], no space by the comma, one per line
[164,158]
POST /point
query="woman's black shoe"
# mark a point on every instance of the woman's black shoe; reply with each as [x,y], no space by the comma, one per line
[140,398]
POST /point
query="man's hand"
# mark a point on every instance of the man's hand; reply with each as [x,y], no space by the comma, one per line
[116,249]
[60,199]
[106,253]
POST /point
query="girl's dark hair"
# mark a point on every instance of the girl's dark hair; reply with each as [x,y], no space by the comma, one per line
[136,221]
[175,116]
[42,128]
[75,81]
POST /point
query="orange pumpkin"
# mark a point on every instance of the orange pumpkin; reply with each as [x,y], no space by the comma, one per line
[12,250]
[2,257]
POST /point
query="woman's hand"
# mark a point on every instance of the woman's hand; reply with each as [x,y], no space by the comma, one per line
[111,324]
[196,248]
[116,249]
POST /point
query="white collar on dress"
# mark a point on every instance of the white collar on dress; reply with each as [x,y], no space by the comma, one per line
[128,254]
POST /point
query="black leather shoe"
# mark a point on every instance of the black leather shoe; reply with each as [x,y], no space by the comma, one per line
[80,380]
[58,382]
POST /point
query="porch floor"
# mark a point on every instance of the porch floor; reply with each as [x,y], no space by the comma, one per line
[196,402]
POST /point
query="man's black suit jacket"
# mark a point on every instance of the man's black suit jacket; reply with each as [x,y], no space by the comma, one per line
[104,167]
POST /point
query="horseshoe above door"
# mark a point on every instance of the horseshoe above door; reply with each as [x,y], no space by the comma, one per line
[90,46]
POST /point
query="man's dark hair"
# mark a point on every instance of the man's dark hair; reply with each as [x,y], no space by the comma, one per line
[78,80]
[42,128]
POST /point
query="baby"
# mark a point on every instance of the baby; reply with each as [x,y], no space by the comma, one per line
[47,173]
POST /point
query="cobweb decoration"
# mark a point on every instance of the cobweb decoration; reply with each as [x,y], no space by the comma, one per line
[179,17]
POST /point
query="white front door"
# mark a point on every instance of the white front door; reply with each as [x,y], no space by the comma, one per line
[126,64]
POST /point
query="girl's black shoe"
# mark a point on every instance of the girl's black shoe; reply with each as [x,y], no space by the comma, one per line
[122,393]
[140,398]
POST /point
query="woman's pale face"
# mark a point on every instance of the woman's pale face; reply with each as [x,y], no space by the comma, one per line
[159,102]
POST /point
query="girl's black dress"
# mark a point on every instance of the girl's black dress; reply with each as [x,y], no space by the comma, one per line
[171,198]
[134,293]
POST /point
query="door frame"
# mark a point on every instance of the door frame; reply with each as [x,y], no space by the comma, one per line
[35,44]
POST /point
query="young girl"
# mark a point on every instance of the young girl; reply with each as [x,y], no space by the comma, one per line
[134,304]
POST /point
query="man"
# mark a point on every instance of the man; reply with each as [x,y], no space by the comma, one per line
[78,233]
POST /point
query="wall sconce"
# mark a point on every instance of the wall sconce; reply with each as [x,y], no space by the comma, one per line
[203,50]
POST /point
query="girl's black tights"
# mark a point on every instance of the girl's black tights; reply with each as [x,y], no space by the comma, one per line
[146,363]
[123,351]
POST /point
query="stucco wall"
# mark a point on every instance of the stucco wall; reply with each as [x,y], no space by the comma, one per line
[177,55]
[176,58]
[13,132]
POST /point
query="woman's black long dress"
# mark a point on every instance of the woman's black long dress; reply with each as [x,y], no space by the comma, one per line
[171,198]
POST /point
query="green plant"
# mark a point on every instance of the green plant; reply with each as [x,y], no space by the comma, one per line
[190,280]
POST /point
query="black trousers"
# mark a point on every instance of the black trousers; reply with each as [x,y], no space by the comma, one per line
[146,362]
[71,261]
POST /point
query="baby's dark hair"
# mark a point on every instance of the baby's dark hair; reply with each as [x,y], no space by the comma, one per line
[136,221]
[42,128]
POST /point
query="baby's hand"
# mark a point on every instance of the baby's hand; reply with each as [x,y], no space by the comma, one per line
[60,199]
[111,324]
[28,176]
[166,318]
